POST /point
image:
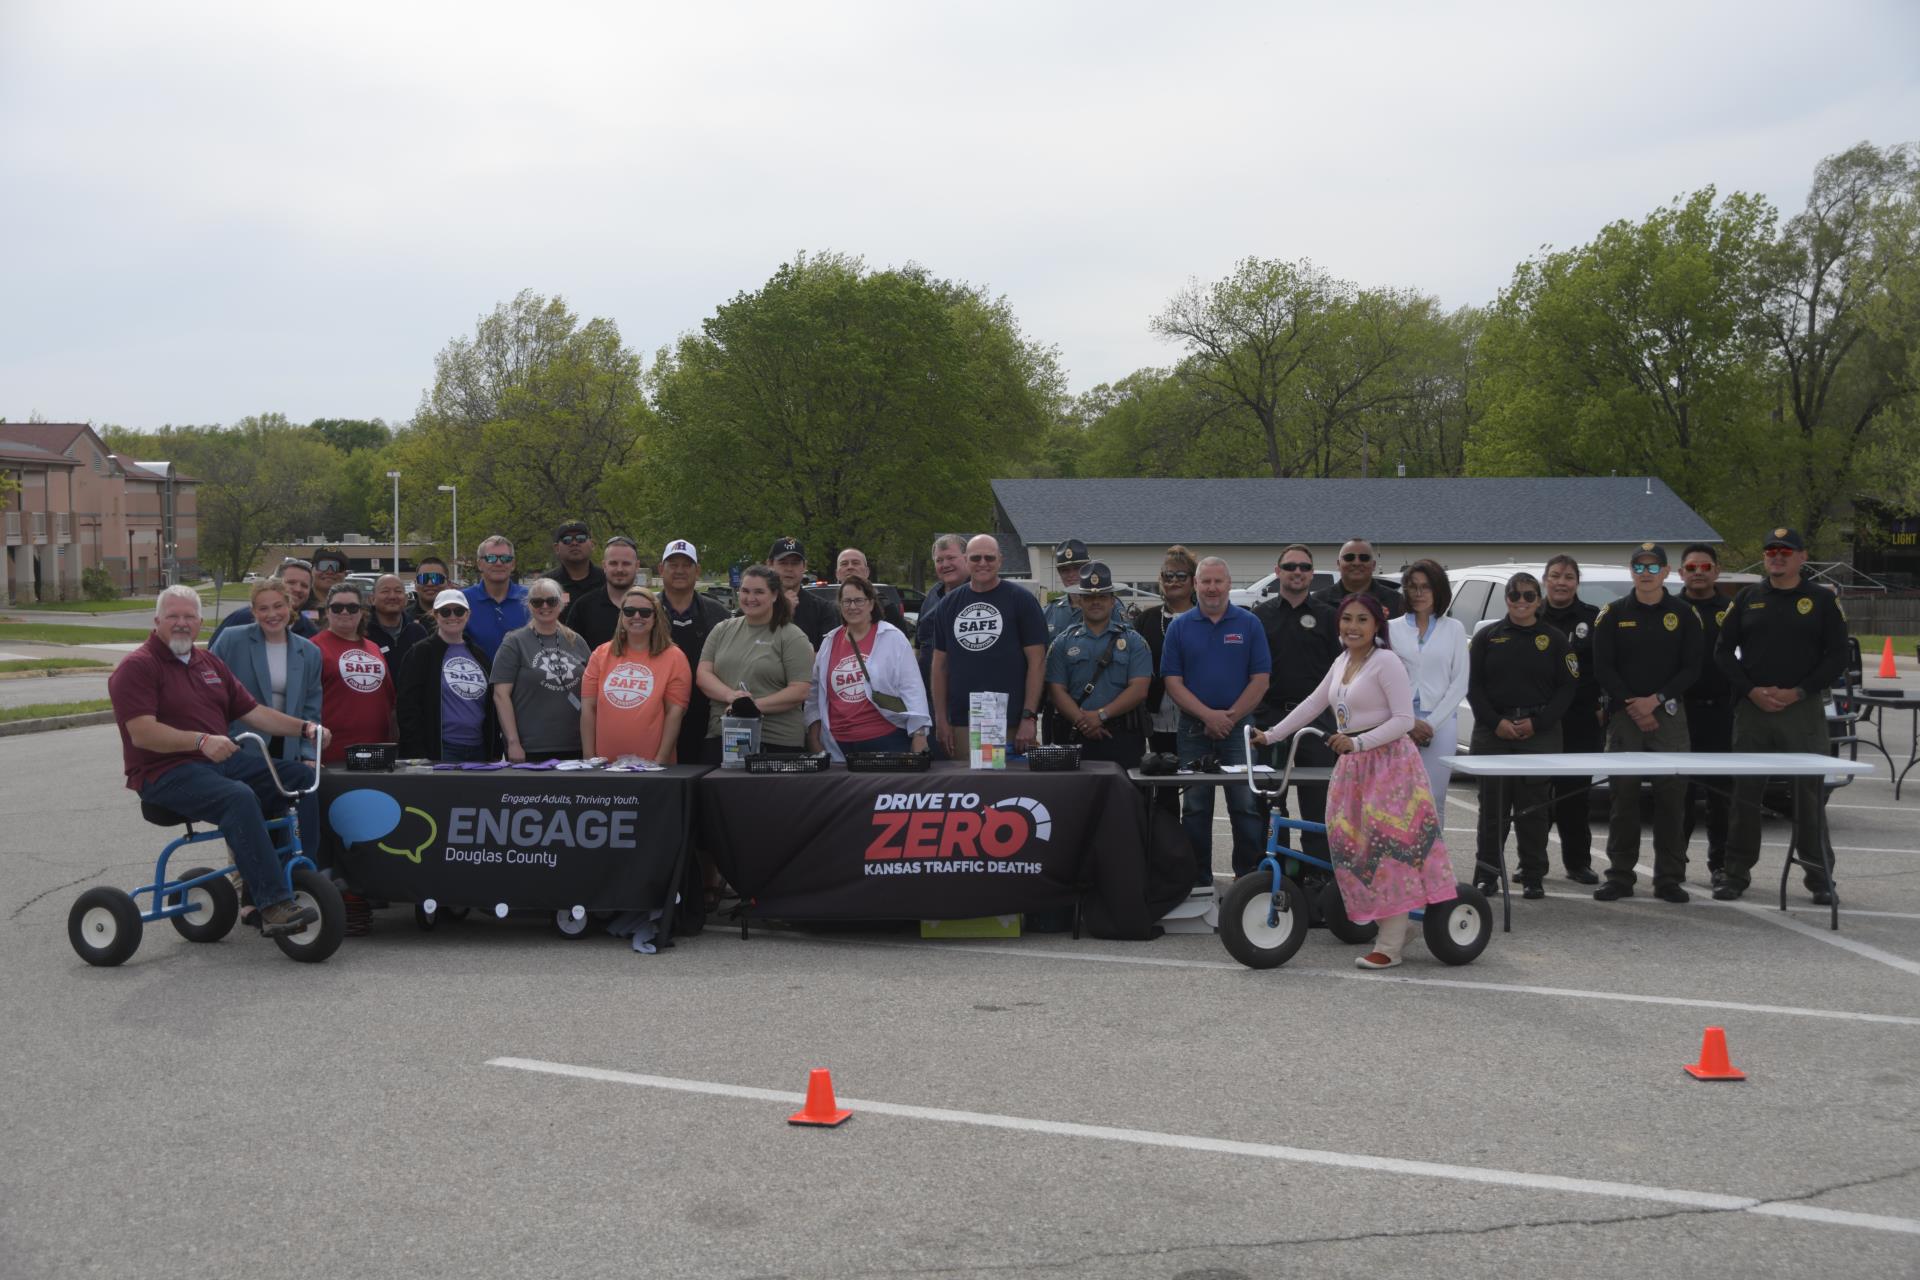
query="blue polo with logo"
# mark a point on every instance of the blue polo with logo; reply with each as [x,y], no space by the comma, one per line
[1216,659]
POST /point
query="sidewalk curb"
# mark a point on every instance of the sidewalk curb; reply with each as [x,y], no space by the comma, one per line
[50,723]
[103,669]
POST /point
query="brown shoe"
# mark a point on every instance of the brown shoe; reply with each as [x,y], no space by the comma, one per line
[286,918]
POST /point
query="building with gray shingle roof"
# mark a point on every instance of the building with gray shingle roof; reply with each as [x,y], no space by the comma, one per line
[1130,523]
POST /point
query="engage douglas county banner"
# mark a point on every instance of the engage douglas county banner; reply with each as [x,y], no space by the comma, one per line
[536,840]
[953,842]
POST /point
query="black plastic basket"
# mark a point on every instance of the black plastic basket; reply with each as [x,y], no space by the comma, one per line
[1053,759]
[788,762]
[889,761]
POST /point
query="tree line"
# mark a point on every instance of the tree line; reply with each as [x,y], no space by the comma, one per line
[1765,368]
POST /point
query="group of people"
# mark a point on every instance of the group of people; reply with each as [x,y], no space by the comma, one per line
[584,660]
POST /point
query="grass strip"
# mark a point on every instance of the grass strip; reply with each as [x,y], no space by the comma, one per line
[52,664]
[12,629]
[42,710]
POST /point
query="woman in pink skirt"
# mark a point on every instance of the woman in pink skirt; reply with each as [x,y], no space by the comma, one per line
[1388,857]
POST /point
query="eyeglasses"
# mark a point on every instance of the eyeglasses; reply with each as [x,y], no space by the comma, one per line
[1294,566]
[575,539]
[1174,575]
[495,557]
[1523,597]
[429,579]
[451,611]
[854,602]
[1648,569]
[544,602]
[1410,585]
[343,606]
[1777,551]
[636,610]
[1699,566]
[982,559]
[1355,557]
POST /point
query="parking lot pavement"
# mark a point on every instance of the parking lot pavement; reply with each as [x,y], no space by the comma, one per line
[1046,1106]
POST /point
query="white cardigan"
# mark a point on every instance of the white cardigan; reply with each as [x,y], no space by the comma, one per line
[1437,669]
[892,668]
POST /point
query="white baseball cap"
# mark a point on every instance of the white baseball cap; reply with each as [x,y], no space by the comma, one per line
[681,547]
[451,595]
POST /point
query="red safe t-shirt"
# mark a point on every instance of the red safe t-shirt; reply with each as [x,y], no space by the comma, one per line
[851,715]
[356,694]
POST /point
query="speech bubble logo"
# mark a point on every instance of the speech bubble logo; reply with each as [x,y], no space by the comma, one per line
[359,816]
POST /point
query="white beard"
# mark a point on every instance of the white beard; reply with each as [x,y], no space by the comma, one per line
[182,646]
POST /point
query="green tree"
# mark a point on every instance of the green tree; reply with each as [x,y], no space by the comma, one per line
[1840,308]
[844,406]
[1635,353]
[536,418]
[351,435]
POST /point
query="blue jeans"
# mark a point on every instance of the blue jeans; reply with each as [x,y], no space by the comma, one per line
[232,796]
[1196,803]
[462,752]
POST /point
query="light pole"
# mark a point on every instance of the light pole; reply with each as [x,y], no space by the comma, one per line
[454,489]
[395,477]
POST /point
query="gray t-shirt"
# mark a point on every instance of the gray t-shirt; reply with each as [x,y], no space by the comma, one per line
[544,673]
[765,661]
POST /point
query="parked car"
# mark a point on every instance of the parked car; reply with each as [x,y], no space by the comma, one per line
[830,592]
[1247,597]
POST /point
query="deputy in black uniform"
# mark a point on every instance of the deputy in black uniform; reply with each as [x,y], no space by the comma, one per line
[1782,646]
[1520,680]
[1709,702]
[814,616]
[1354,577]
[1303,634]
[1647,652]
[1097,676]
[1163,718]
[1580,729]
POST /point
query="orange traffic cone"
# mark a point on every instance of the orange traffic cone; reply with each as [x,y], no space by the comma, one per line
[1713,1064]
[821,1109]
[1886,662]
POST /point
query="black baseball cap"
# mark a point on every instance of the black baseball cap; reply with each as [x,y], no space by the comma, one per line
[1785,537]
[572,526]
[1649,551]
[1070,553]
[786,547]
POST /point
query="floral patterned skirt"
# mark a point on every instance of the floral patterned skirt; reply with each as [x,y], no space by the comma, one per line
[1384,832]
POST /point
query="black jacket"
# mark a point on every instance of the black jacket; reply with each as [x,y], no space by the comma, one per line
[419,700]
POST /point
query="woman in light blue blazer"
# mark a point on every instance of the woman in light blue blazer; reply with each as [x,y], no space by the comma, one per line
[281,670]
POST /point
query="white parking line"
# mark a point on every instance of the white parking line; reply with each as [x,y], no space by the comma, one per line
[1355,975]
[1703,1200]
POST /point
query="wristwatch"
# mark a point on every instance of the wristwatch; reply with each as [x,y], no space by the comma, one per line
[1102,713]
[1028,713]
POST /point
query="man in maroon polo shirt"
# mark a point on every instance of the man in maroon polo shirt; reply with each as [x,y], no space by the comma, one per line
[173,704]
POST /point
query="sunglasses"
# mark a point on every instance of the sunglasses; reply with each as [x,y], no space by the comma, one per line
[1294,566]
[340,606]
[544,602]
[294,562]
[430,579]
[982,559]
[575,539]
[494,557]
[636,610]
[1523,597]
[1777,551]
[328,566]
[1174,575]
[1699,566]
[1648,569]
[451,611]
[1355,557]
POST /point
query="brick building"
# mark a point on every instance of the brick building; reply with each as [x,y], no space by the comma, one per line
[79,506]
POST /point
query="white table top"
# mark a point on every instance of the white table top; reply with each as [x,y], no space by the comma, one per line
[1720,764]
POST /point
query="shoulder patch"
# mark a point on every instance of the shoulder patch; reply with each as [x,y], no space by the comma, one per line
[1573,666]
[1603,611]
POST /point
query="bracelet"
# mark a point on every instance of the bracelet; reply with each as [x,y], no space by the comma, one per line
[201,745]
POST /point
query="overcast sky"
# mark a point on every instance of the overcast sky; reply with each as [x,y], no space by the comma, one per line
[210,210]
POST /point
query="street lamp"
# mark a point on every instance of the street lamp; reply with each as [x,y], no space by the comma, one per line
[395,477]
[454,489]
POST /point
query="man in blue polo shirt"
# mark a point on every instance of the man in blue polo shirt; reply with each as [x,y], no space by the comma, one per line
[496,604]
[1216,665]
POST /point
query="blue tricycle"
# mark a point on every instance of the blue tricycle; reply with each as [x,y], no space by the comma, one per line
[1266,914]
[105,924]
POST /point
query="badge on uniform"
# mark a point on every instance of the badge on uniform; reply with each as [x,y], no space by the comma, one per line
[1580,631]
[1073,651]
[1671,622]
[1120,645]
[1541,642]
[1308,623]
[1720,618]
[1804,605]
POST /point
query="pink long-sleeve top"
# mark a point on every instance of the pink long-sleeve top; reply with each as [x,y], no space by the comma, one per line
[1379,701]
